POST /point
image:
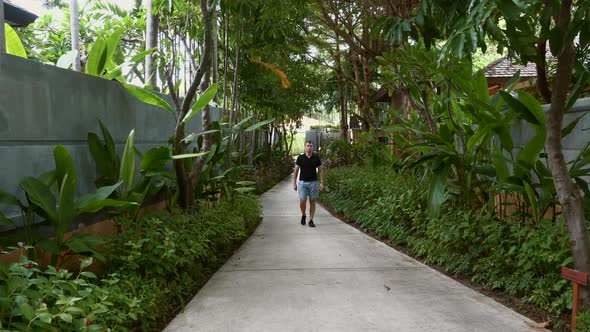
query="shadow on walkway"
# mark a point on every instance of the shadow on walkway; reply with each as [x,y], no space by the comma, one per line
[289,277]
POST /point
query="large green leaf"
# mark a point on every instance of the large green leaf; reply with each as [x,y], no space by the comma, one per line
[509,8]
[5,221]
[531,197]
[436,194]
[239,124]
[500,165]
[113,42]
[14,45]
[148,97]
[571,126]
[155,160]
[505,137]
[530,152]
[474,141]
[580,86]
[533,105]
[203,100]
[481,86]
[189,155]
[97,58]
[109,143]
[211,154]
[258,125]
[127,171]
[101,157]
[6,198]
[100,194]
[96,206]
[67,210]
[64,164]
[141,55]
[67,59]
[40,195]
[519,108]
[86,243]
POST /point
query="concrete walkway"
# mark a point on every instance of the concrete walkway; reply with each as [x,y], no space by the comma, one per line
[289,277]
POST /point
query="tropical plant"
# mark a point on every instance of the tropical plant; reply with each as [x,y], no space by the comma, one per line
[14,45]
[55,200]
[113,169]
[453,136]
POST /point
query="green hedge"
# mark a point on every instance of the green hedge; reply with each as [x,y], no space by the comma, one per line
[159,262]
[521,258]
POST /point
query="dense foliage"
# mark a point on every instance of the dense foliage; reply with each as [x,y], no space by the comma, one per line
[156,264]
[522,258]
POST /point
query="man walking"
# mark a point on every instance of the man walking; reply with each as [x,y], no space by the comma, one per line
[307,167]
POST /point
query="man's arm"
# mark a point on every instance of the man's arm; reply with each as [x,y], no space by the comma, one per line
[295,175]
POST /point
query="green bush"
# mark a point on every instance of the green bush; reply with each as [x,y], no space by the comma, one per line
[523,258]
[175,253]
[60,300]
[161,258]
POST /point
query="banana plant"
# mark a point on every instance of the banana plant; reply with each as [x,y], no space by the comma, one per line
[213,180]
[101,58]
[56,202]
[14,45]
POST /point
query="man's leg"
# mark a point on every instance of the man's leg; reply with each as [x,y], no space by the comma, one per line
[314,194]
[302,206]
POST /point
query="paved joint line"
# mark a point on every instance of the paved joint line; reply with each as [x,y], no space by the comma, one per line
[343,269]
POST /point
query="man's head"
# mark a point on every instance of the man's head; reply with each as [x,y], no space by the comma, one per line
[308,146]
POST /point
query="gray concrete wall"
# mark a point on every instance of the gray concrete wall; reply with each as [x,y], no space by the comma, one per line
[522,131]
[42,106]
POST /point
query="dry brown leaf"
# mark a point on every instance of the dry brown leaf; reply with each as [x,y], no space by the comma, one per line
[542,325]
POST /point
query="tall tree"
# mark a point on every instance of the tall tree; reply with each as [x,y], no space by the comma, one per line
[151,42]
[200,79]
[568,192]
[356,24]
[2,32]
[75,32]
[523,28]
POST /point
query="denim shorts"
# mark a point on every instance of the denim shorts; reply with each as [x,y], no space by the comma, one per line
[309,189]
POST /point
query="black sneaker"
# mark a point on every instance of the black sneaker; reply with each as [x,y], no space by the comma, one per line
[311,224]
[303,220]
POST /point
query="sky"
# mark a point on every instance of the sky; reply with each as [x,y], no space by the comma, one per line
[36,6]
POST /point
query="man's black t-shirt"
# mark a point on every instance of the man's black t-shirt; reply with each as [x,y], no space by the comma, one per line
[308,167]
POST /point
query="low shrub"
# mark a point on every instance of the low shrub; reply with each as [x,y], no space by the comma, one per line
[156,264]
[523,258]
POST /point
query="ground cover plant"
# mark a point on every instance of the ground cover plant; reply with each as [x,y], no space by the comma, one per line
[520,257]
[156,264]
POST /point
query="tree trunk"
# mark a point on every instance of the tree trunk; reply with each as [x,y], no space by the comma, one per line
[206,62]
[186,182]
[341,94]
[2,32]
[225,67]
[215,60]
[568,193]
[541,66]
[75,32]
[366,92]
[151,41]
